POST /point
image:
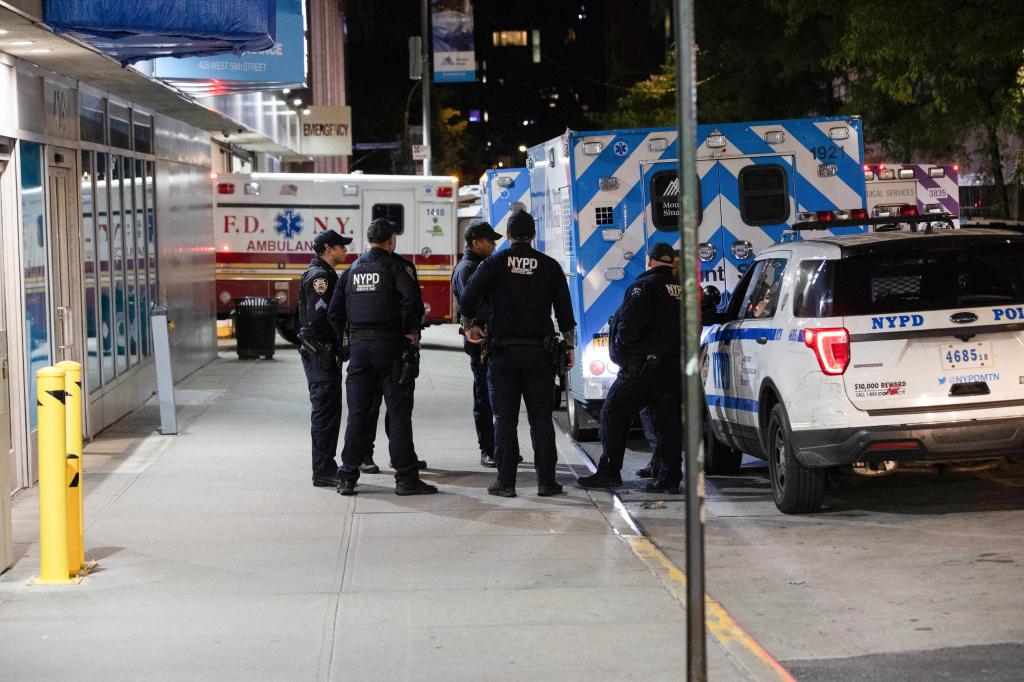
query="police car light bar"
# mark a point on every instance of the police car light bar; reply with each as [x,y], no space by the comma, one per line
[915,219]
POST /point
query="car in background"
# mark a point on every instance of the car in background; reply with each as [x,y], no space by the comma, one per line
[993,223]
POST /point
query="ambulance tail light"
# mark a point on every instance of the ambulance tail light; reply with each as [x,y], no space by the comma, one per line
[225,188]
[906,173]
[444,193]
[831,347]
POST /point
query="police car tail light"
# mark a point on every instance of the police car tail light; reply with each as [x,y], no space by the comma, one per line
[831,347]
[444,192]
[597,368]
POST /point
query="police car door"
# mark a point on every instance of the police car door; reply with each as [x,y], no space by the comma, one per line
[754,337]
[661,214]
[398,207]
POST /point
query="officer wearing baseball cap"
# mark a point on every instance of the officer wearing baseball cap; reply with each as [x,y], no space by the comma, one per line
[523,285]
[644,341]
[481,241]
[378,304]
[319,351]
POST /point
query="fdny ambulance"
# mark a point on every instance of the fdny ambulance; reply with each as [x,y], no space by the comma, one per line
[265,223]
[602,198]
[913,189]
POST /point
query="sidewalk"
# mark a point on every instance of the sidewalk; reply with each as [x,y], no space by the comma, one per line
[219,560]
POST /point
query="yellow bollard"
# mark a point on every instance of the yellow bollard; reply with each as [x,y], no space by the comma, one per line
[76,519]
[53,497]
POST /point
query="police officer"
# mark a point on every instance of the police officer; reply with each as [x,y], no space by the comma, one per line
[523,285]
[378,303]
[644,342]
[481,240]
[319,352]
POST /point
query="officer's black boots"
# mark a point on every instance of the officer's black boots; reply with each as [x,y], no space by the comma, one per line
[601,479]
[347,487]
[487,460]
[368,467]
[321,481]
[416,487]
[501,491]
[662,487]
[548,489]
[421,463]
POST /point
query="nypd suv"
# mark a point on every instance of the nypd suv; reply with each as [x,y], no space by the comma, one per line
[868,350]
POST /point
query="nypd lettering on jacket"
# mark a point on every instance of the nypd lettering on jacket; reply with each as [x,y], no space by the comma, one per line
[366,281]
[674,290]
[897,321]
[522,265]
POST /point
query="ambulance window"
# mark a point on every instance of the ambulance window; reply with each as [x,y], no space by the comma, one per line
[393,213]
[664,193]
[764,194]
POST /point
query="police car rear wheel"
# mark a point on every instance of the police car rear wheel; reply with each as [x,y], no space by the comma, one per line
[719,459]
[795,488]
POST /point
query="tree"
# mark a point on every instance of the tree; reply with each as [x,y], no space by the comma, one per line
[926,75]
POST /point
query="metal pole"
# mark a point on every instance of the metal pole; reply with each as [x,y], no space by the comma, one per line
[53,482]
[73,434]
[686,103]
[427,69]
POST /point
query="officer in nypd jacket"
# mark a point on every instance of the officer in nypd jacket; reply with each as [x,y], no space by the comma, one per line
[319,352]
[644,341]
[524,287]
[378,303]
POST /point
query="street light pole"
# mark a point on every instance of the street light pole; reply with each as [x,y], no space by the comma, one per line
[427,68]
[686,105]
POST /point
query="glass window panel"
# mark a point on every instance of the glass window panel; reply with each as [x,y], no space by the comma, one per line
[132,300]
[92,329]
[37,293]
[92,118]
[103,269]
[140,257]
[143,130]
[117,248]
[120,129]
[151,237]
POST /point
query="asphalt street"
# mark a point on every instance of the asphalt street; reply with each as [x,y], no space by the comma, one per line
[914,576]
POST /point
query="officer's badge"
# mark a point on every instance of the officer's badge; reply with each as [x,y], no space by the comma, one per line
[320,285]
[637,291]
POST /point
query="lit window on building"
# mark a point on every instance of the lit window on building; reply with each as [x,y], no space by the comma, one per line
[510,39]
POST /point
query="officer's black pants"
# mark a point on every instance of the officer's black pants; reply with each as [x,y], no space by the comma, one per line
[371,424]
[482,415]
[370,376]
[651,435]
[657,388]
[522,373]
[325,419]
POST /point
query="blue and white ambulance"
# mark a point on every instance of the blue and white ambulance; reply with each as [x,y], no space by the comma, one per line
[502,191]
[602,198]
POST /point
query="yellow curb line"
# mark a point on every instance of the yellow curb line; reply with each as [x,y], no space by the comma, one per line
[736,641]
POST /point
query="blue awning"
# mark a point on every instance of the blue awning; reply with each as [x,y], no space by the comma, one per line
[134,30]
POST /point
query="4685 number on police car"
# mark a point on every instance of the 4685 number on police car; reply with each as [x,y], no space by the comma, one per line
[964,355]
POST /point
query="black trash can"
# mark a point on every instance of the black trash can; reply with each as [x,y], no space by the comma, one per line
[255,327]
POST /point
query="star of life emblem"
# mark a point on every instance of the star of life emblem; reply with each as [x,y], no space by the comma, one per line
[289,223]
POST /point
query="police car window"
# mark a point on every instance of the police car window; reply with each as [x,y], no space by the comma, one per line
[764,194]
[664,193]
[937,274]
[762,298]
[813,293]
[394,213]
[739,293]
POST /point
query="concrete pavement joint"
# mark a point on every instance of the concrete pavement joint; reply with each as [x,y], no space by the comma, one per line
[740,646]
